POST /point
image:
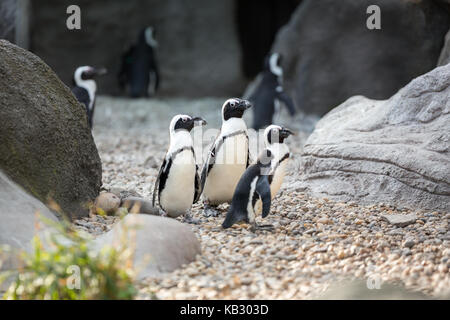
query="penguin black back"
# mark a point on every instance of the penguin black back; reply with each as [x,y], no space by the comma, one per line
[253,184]
[268,92]
[139,70]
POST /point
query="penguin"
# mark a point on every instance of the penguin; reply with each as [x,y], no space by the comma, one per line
[253,185]
[268,93]
[139,72]
[228,157]
[85,88]
[274,137]
[177,185]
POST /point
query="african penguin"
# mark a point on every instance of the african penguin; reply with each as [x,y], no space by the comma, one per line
[228,157]
[268,93]
[253,185]
[177,184]
[86,87]
[139,74]
[274,140]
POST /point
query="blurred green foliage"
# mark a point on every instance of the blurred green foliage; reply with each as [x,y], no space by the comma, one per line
[67,269]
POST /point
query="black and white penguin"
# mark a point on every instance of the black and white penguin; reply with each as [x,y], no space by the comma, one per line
[139,74]
[268,93]
[253,185]
[178,183]
[228,157]
[85,88]
[274,137]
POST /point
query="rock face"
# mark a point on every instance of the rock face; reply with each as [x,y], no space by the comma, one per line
[395,151]
[444,58]
[19,213]
[45,143]
[329,54]
[198,47]
[161,244]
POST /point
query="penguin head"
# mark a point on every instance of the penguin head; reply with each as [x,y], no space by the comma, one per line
[147,36]
[273,64]
[276,134]
[234,108]
[86,73]
[185,122]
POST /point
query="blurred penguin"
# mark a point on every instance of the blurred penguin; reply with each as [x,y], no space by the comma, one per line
[268,92]
[85,88]
[139,75]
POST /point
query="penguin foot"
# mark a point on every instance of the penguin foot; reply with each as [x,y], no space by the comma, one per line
[189,219]
[162,213]
[210,211]
[262,227]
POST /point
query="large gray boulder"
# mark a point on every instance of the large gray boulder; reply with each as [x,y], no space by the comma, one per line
[20,214]
[46,145]
[161,244]
[395,151]
[330,55]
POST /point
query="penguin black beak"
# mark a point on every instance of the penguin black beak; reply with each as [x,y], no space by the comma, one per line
[100,71]
[200,121]
[244,105]
[284,133]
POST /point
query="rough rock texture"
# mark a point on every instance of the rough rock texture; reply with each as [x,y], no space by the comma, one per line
[330,55]
[400,220]
[162,244]
[395,151]
[444,58]
[198,48]
[19,215]
[45,143]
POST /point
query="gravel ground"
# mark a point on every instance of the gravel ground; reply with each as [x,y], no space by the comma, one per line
[316,242]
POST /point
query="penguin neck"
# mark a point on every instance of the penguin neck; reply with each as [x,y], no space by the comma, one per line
[90,86]
[278,150]
[232,125]
[179,139]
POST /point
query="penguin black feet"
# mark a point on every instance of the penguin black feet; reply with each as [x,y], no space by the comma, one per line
[262,227]
[189,219]
[210,211]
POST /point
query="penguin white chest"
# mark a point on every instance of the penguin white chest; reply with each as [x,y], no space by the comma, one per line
[178,194]
[229,165]
[278,177]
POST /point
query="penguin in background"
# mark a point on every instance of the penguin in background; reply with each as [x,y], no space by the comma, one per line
[85,88]
[177,185]
[227,159]
[268,93]
[274,137]
[253,185]
[139,72]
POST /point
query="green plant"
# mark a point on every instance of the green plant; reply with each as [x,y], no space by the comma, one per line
[67,269]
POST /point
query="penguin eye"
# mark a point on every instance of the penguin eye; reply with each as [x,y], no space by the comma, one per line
[232,104]
[183,119]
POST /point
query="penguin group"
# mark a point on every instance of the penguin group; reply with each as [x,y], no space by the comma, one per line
[227,174]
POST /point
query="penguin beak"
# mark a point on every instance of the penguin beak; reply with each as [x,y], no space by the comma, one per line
[284,133]
[200,121]
[244,105]
[100,71]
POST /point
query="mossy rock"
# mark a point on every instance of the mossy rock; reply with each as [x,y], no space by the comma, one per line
[46,145]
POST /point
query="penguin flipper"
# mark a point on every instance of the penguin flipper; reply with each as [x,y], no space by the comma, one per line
[161,178]
[283,97]
[263,190]
[198,190]
[210,160]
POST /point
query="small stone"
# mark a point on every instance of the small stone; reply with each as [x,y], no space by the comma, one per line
[400,220]
[106,203]
[409,243]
